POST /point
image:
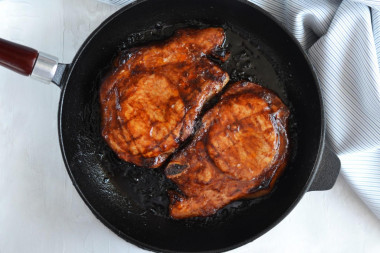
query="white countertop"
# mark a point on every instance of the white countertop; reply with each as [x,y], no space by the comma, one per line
[40,211]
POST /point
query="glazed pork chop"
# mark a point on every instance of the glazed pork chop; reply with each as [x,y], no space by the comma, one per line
[150,102]
[238,152]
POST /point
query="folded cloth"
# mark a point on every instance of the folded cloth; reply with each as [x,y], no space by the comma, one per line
[342,40]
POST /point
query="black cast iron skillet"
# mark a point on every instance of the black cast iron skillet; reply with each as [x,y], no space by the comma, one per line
[132,201]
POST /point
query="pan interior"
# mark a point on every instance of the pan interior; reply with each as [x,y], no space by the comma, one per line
[131,200]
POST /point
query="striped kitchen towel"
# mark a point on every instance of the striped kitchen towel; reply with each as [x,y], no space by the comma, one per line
[342,39]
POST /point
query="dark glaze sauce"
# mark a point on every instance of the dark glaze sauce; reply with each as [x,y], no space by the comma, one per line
[167,80]
[145,189]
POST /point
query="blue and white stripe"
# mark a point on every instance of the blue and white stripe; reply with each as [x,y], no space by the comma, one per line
[342,39]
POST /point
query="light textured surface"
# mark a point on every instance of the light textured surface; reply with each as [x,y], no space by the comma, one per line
[40,211]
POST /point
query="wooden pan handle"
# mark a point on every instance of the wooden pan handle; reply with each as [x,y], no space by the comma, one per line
[18,58]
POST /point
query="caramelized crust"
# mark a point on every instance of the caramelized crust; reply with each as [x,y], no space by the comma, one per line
[150,102]
[238,152]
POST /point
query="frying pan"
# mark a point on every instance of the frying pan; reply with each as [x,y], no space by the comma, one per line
[132,201]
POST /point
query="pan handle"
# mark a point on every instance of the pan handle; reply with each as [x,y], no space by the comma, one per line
[327,172]
[28,61]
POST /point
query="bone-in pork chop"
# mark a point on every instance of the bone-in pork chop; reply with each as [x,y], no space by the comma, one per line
[150,102]
[238,152]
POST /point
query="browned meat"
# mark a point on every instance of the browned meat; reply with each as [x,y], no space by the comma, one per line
[150,103]
[238,152]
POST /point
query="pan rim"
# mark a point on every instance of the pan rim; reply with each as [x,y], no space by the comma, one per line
[129,239]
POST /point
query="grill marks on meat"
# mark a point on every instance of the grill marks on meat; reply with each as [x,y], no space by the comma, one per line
[150,102]
[149,106]
[239,152]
